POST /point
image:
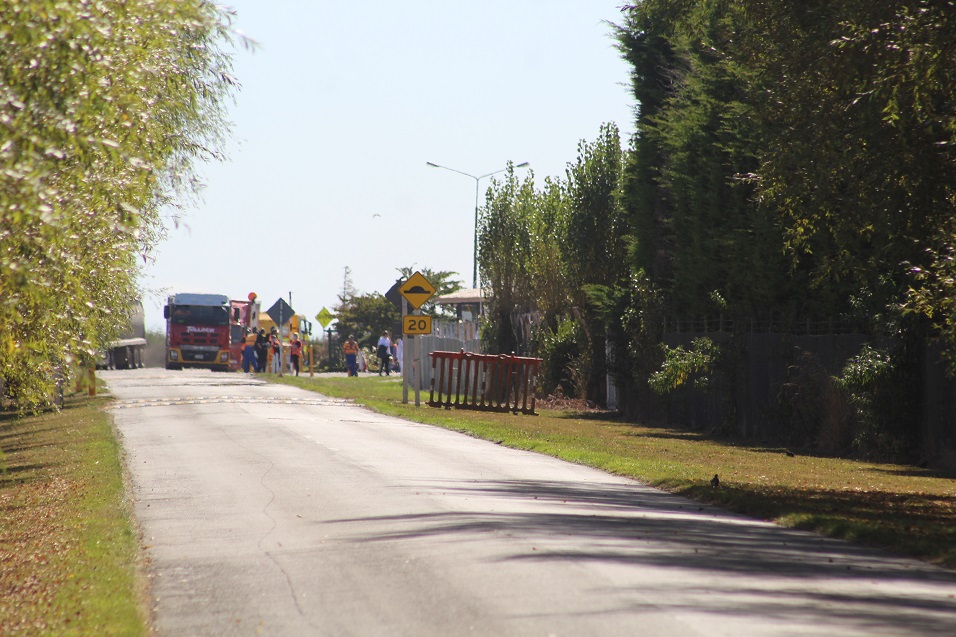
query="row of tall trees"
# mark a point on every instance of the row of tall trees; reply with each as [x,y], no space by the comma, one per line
[793,161]
[541,249]
[104,109]
[797,157]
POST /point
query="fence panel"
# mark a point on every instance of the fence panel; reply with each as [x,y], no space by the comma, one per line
[431,344]
[483,382]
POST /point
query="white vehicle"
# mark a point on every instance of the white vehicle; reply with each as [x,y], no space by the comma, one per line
[127,351]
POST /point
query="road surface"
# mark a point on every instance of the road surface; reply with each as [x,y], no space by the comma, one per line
[268,510]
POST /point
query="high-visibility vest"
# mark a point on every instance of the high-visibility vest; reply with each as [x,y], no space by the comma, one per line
[350,347]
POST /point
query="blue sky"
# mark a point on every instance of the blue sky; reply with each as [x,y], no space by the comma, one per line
[342,104]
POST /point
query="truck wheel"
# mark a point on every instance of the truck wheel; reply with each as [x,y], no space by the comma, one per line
[121,357]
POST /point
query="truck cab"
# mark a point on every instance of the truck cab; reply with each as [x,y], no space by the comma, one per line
[197,331]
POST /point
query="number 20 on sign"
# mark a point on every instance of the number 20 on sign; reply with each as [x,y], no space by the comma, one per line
[412,324]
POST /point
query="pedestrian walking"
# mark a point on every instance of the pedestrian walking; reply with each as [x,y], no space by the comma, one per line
[351,350]
[249,352]
[393,354]
[295,351]
[275,342]
[384,353]
[262,349]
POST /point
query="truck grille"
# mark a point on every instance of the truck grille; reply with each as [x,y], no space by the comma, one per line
[200,353]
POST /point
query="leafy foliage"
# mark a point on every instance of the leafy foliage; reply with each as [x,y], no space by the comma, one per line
[540,249]
[595,230]
[792,163]
[561,350]
[879,388]
[504,255]
[682,365]
[104,107]
[796,159]
[366,316]
[858,105]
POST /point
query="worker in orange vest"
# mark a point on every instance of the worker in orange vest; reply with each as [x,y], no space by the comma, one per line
[295,352]
[249,351]
[351,350]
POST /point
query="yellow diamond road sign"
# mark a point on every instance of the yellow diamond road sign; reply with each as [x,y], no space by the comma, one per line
[417,290]
[324,317]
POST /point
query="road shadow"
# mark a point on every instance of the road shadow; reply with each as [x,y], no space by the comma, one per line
[637,527]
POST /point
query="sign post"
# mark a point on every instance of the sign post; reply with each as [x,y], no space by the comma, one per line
[324,317]
[407,365]
[415,292]
[280,312]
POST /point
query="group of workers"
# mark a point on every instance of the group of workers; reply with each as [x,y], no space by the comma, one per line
[256,348]
[257,344]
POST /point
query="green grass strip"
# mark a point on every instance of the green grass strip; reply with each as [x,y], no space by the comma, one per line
[68,549]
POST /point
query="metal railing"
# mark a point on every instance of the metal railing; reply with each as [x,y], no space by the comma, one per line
[483,382]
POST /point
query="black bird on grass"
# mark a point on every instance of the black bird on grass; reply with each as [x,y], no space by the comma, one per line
[715,481]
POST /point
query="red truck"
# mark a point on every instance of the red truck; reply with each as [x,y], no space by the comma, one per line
[197,331]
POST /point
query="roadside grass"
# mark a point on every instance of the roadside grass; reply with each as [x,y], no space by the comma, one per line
[903,509]
[68,551]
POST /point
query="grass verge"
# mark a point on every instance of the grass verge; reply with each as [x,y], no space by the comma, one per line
[906,510]
[68,550]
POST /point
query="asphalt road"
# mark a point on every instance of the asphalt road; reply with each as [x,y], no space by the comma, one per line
[268,510]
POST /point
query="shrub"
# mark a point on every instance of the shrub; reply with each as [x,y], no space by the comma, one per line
[877,392]
[562,349]
[681,366]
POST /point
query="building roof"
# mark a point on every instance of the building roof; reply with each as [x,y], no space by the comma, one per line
[464,296]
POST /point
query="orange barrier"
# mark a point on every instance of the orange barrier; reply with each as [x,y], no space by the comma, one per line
[484,382]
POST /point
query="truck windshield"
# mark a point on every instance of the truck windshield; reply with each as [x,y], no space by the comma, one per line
[198,315]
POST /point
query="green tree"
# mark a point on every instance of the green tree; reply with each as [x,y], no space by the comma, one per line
[547,266]
[444,282]
[366,316]
[689,184]
[644,40]
[104,107]
[594,246]
[795,160]
[860,155]
[594,237]
[539,249]
[504,253]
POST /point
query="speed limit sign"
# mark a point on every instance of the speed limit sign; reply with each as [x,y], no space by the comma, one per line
[412,324]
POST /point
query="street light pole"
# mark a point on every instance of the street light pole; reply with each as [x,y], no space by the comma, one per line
[478,178]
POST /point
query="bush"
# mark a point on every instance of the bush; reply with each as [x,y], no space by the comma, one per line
[681,366]
[561,349]
[874,381]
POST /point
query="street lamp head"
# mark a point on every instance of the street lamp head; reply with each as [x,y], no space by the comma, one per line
[477,179]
